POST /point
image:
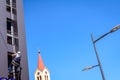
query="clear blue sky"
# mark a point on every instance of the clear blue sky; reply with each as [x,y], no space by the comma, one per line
[61,29]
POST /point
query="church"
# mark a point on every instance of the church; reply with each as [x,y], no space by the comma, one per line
[41,73]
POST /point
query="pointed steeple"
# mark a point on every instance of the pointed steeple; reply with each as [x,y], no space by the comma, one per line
[40,62]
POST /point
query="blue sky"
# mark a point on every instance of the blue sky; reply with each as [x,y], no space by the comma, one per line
[61,29]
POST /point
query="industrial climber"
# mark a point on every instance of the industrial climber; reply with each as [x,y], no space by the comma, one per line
[15,62]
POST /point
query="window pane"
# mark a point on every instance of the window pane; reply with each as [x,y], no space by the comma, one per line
[9,24]
[8,2]
[15,28]
[8,8]
[14,3]
[9,40]
[14,11]
[16,43]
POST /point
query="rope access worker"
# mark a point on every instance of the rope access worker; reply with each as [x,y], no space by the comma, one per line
[15,62]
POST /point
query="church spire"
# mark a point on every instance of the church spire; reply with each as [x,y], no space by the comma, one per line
[40,62]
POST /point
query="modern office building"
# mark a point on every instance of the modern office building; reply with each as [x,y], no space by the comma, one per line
[41,73]
[12,39]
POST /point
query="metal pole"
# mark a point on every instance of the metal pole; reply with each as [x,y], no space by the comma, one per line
[99,63]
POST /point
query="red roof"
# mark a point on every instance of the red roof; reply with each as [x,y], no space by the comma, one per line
[40,62]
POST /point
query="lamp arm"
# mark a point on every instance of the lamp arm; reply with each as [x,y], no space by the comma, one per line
[101,37]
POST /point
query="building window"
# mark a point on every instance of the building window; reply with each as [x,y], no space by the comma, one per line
[8,8]
[14,3]
[11,7]
[14,7]
[12,27]
[15,28]
[9,40]
[9,24]
[8,2]
[12,32]
[16,43]
[13,41]
[14,11]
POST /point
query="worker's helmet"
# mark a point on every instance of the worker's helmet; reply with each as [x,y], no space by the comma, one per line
[18,52]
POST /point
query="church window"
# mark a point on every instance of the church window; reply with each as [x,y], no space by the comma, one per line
[37,78]
[38,73]
[45,72]
[47,77]
[40,78]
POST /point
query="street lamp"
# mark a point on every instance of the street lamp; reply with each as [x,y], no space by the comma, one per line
[96,53]
[89,67]
[111,31]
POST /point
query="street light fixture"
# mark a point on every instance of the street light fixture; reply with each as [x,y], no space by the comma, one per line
[115,28]
[111,31]
[89,67]
[96,53]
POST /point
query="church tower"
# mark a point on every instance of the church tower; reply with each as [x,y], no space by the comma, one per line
[41,73]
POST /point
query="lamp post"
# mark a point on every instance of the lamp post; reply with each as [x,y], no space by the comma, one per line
[96,53]
[97,56]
